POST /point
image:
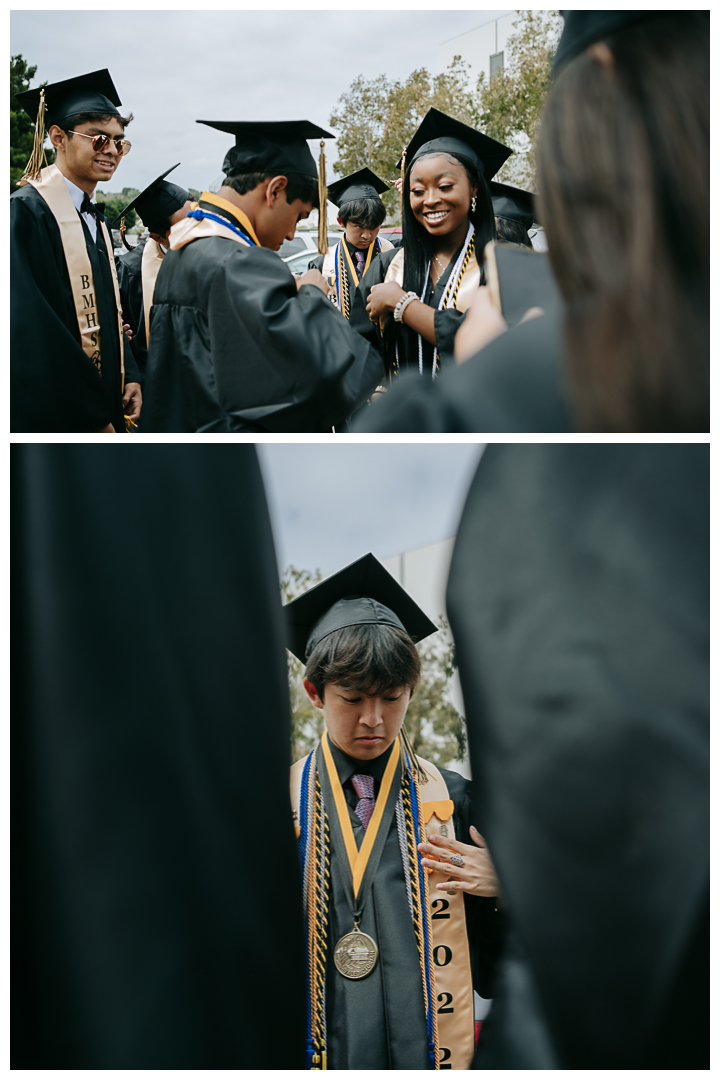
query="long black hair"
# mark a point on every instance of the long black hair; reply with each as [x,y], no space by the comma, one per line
[417,244]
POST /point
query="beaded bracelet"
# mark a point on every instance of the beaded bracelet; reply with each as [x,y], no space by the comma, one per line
[403,303]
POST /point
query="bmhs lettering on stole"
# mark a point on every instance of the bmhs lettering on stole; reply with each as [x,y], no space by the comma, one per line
[90,316]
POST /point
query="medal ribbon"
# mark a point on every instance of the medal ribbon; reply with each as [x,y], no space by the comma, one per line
[360,866]
[351,262]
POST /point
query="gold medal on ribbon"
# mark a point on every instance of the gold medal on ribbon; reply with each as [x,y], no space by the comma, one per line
[355,955]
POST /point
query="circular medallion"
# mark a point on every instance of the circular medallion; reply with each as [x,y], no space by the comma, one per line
[355,955]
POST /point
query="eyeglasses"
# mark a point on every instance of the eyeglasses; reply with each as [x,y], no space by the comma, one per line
[101,142]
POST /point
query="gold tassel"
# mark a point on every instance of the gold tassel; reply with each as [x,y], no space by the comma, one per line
[420,774]
[322,203]
[37,159]
[402,174]
[122,234]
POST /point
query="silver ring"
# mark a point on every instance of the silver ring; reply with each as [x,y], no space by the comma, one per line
[457,860]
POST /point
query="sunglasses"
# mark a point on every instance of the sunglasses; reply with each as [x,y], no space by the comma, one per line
[101,142]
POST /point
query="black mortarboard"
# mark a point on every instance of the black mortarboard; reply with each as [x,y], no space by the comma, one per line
[157,202]
[361,593]
[94,92]
[363,184]
[443,134]
[512,202]
[270,146]
[582,28]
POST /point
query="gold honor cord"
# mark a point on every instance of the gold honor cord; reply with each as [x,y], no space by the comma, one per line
[358,860]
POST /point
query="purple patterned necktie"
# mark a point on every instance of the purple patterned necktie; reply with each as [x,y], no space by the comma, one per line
[360,259]
[365,788]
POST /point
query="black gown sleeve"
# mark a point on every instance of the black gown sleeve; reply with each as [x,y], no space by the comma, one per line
[447,324]
[515,383]
[131,297]
[54,386]
[317,263]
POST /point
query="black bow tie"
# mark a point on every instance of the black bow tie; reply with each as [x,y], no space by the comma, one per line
[87,207]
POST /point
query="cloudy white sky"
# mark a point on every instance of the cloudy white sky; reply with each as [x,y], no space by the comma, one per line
[331,504]
[173,67]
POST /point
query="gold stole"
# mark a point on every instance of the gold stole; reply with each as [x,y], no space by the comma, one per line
[328,267]
[189,229]
[450,950]
[53,189]
[469,283]
[152,258]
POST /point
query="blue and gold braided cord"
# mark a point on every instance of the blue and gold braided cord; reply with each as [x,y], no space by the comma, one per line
[316,874]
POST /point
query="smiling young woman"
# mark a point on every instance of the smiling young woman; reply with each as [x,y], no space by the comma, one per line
[419,295]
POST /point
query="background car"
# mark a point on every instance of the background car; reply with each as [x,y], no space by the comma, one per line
[393,234]
[299,252]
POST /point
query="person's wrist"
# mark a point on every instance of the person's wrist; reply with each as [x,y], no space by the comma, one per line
[405,299]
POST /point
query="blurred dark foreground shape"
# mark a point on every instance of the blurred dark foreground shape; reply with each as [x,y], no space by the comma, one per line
[579,602]
[150,755]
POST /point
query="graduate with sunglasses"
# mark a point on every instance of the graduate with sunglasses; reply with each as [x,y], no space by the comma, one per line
[71,367]
[419,294]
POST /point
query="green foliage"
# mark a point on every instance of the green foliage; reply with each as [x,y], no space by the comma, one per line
[22,128]
[377,117]
[435,727]
[116,203]
[511,102]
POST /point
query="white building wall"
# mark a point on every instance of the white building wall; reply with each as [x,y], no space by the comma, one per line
[478,45]
[423,572]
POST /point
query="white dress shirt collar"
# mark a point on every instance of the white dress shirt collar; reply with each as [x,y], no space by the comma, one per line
[77,195]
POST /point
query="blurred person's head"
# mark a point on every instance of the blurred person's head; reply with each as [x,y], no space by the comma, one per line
[623,190]
[512,232]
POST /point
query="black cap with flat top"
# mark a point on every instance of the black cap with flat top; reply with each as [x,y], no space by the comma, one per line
[157,202]
[91,93]
[362,593]
[583,28]
[263,146]
[440,133]
[512,202]
[363,184]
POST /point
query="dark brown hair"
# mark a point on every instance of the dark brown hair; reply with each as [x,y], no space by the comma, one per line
[623,192]
[370,658]
[88,117]
[299,186]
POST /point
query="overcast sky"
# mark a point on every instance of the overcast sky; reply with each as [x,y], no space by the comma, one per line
[172,68]
[331,504]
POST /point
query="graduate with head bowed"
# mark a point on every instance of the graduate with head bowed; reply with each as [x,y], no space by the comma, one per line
[420,293]
[160,206]
[236,342]
[399,889]
[514,211]
[70,366]
[361,212]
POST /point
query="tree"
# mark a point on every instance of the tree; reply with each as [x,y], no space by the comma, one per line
[435,727]
[116,203]
[510,103]
[22,127]
[377,118]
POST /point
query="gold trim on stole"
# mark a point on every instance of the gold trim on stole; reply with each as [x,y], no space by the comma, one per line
[453,977]
[469,283]
[52,188]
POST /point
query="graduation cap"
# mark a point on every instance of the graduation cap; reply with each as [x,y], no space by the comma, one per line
[439,133]
[582,28]
[277,146]
[360,594]
[363,184]
[512,202]
[157,202]
[54,103]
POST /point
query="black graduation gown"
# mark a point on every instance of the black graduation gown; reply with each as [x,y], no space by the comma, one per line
[578,600]
[447,323]
[378,1022]
[150,751]
[129,272]
[235,346]
[516,383]
[359,318]
[54,386]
